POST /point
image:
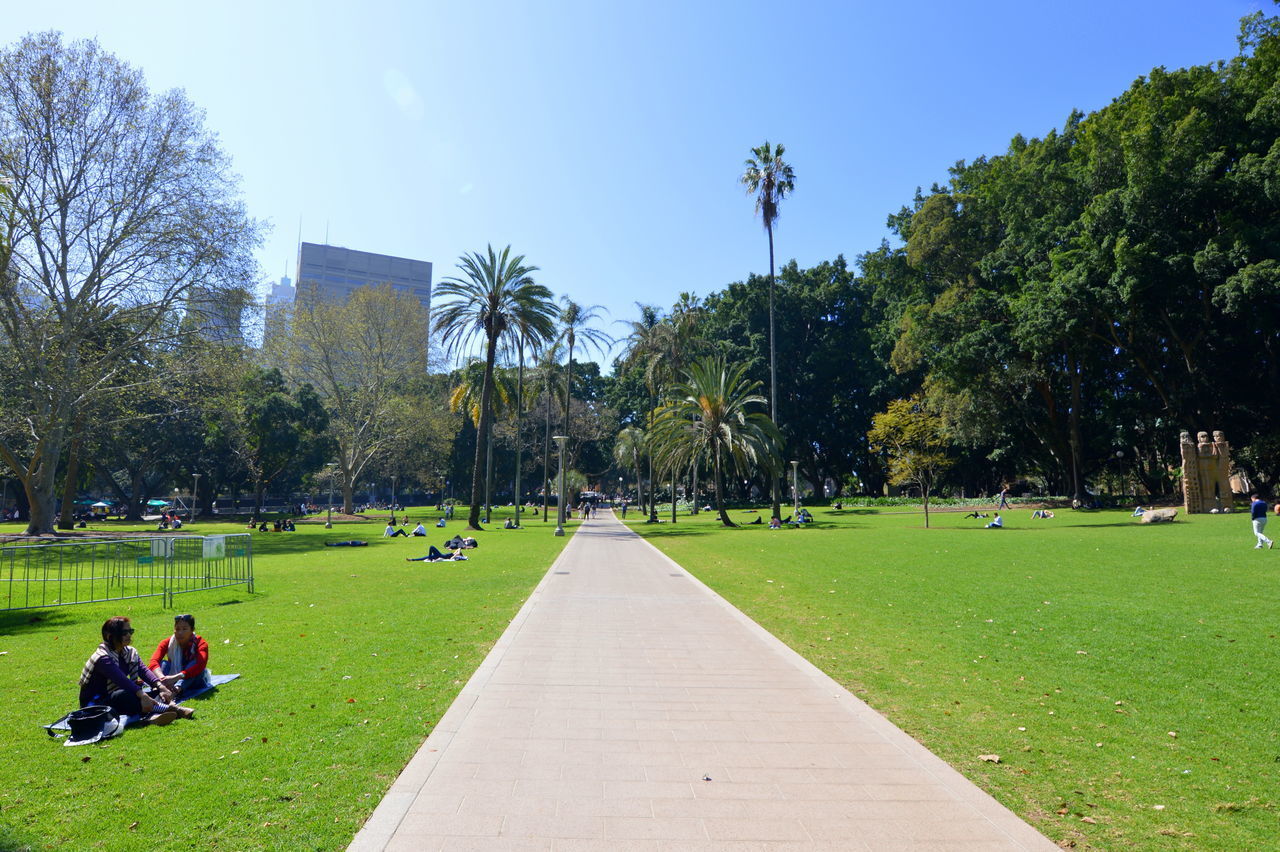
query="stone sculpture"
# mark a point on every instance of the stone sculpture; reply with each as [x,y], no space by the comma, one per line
[1206,473]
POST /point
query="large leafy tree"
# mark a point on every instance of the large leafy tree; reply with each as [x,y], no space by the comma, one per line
[494,295]
[272,431]
[122,205]
[359,356]
[770,179]
[711,415]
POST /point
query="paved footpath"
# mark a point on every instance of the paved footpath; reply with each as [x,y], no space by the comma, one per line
[628,707]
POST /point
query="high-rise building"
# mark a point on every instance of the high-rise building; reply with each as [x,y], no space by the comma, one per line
[332,274]
[218,315]
[282,295]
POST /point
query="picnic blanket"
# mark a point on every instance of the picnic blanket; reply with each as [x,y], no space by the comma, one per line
[215,680]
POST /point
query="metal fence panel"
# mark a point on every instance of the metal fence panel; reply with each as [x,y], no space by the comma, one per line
[63,573]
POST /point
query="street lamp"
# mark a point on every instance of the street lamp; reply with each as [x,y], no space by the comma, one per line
[195,496]
[560,439]
[328,520]
[622,493]
[795,489]
[393,492]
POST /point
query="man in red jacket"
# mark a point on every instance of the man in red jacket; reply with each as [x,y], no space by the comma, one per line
[181,661]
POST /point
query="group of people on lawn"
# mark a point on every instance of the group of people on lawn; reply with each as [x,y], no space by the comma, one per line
[115,676]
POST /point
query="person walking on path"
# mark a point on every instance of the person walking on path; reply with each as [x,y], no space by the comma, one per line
[1004,498]
[1258,514]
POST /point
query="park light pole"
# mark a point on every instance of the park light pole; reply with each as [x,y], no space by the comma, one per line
[560,439]
[195,496]
[328,520]
[795,489]
[393,492]
[622,493]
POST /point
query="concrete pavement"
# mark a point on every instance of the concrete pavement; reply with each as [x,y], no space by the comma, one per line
[628,707]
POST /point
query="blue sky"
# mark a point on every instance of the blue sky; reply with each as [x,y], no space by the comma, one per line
[603,140]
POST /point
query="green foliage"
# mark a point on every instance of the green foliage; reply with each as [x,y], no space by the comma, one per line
[1070,647]
[912,436]
[712,417]
[348,658]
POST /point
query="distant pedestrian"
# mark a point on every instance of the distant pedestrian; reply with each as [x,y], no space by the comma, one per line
[1258,514]
[1004,498]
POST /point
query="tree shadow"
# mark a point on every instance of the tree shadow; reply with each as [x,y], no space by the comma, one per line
[17,621]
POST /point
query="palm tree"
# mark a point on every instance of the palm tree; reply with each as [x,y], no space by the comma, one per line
[574,329]
[629,448]
[495,294]
[711,416]
[644,348]
[467,396]
[770,180]
[524,336]
[548,366]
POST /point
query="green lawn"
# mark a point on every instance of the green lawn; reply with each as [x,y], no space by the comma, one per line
[1125,674]
[348,657]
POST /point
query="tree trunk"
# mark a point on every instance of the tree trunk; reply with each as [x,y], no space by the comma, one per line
[519,437]
[546,453]
[67,521]
[482,433]
[775,489]
[1073,426]
[653,485]
[259,490]
[673,494]
[719,484]
[488,478]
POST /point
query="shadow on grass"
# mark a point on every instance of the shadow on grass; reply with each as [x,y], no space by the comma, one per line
[13,622]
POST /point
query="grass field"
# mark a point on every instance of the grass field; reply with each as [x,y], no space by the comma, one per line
[1126,675]
[348,657]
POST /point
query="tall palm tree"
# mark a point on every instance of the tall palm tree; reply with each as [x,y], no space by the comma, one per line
[770,180]
[494,293]
[644,349]
[525,336]
[711,415]
[548,367]
[629,449]
[574,329]
[467,396]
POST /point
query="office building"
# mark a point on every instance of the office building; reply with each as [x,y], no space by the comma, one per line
[332,274]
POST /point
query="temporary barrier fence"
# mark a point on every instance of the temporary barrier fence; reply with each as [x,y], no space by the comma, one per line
[84,570]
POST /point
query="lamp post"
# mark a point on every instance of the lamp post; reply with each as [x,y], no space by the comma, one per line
[795,489]
[622,491]
[393,492]
[560,439]
[328,520]
[195,496]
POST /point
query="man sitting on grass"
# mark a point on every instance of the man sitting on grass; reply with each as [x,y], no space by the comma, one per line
[996,523]
[392,530]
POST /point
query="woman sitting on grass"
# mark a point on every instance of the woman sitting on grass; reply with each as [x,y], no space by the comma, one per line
[114,675]
[181,661]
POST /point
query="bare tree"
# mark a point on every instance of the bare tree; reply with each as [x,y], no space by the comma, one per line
[120,206]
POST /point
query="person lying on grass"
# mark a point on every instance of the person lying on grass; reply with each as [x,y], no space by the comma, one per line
[181,661]
[436,555]
[114,675]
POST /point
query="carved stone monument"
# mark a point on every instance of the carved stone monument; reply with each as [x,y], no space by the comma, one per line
[1206,473]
